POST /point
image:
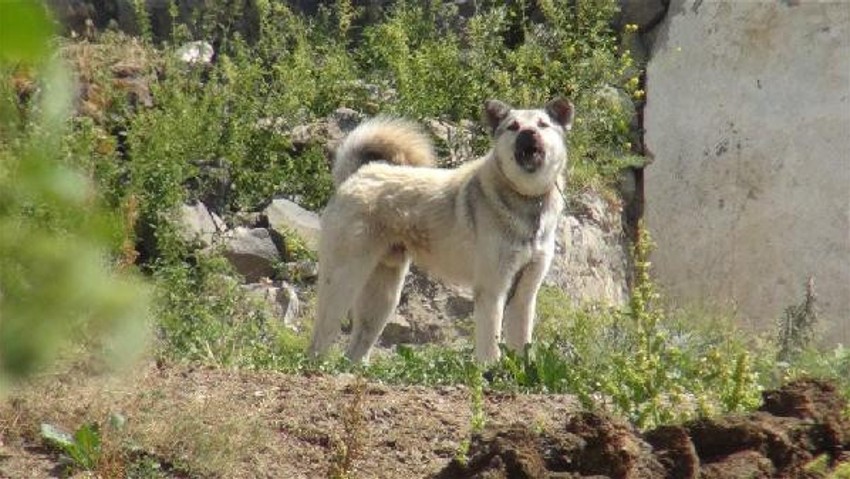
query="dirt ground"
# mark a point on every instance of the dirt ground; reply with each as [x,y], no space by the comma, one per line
[220,423]
[248,424]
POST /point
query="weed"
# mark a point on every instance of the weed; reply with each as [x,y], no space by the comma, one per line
[797,353]
[797,326]
[83,448]
[478,416]
[349,447]
[56,233]
[429,365]
[842,471]
[206,316]
[821,467]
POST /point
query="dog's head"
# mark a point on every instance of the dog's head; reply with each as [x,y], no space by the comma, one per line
[529,144]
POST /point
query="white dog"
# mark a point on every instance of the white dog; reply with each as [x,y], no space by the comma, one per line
[489,224]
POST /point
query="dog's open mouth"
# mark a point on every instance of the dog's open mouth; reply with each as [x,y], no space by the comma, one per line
[529,160]
[529,153]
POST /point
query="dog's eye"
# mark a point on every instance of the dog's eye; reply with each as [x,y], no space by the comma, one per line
[514,126]
[542,124]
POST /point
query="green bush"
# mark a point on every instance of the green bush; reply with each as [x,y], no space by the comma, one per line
[205,316]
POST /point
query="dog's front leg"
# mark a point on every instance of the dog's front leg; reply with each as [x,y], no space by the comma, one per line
[520,310]
[490,293]
[489,305]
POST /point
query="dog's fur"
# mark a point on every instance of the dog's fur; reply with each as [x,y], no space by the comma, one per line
[489,224]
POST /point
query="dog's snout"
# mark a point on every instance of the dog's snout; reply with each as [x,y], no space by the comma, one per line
[529,150]
[528,140]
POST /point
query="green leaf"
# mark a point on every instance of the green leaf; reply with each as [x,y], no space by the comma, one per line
[83,447]
[87,446]
[56,437]
[25,30]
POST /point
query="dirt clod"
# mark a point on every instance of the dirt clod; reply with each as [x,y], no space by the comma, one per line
[798,423]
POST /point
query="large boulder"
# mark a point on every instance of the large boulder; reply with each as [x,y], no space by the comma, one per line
[286,217]
[252,253]
[198,225]
[455,143]
[747,115]
[429,312]
[327,132]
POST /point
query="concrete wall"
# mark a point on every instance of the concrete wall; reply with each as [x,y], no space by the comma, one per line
[748,117]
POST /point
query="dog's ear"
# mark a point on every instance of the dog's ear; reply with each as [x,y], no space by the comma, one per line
[561,110]
[494,112]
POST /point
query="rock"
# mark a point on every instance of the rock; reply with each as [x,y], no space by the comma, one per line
[196,53]
[280,300]
[435,312]
[743,205]
[250,219]
[591,261]
[198,225]
[346,119]
[286,217]
[398,330]
[252,253]
[301,271]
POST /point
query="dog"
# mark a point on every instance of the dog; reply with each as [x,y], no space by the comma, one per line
[489,224]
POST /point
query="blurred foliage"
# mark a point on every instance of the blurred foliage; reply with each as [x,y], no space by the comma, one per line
[58,245]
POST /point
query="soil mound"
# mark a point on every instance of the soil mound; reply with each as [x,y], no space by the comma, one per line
[799,423]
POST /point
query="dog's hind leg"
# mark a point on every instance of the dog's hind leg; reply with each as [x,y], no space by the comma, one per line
[374,306]
[340,281]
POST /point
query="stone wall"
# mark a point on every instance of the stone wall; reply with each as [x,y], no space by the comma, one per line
[748,117]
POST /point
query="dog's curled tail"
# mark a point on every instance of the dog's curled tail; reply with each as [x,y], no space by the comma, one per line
[392,140]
